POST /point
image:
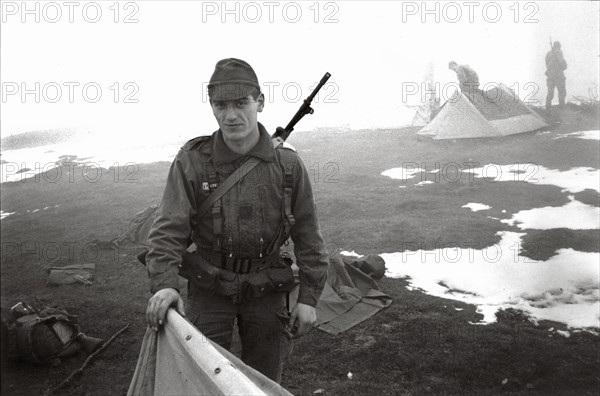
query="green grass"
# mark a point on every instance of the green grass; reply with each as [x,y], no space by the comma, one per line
[420,344]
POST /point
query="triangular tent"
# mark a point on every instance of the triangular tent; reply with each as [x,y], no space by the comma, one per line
[427,110]
[493,113]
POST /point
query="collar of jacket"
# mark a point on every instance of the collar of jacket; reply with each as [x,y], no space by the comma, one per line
[221,154]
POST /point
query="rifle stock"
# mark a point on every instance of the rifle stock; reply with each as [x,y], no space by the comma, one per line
[284,133]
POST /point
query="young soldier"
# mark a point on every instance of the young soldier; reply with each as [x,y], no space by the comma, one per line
[243,231]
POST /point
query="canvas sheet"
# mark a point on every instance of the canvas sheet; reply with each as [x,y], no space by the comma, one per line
[179,360]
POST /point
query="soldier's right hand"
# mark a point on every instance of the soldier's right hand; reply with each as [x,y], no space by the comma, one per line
[158,305]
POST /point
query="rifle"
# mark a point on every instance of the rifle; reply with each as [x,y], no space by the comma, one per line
[550,42]
[284,133]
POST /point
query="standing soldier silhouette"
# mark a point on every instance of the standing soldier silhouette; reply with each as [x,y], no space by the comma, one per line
[555,76]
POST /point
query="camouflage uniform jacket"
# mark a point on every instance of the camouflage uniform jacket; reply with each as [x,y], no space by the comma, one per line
[250,216]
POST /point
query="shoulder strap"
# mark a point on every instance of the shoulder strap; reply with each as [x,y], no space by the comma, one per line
[231,181]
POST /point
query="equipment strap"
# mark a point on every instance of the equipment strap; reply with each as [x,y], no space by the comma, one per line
[231,181]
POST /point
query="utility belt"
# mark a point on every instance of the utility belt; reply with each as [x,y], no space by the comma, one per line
[240,279]
[234,264]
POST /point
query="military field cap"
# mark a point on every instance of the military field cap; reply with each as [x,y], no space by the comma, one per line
[232,79]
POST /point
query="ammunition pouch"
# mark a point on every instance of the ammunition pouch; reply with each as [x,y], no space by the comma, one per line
[196,270]
[216,274]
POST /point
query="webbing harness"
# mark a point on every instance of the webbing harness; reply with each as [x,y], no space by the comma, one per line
[214,200]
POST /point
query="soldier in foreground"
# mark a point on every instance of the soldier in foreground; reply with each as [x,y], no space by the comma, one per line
[555,76]
[236,271]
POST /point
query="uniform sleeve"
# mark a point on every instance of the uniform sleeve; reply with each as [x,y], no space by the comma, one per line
[170,232]
[309,247]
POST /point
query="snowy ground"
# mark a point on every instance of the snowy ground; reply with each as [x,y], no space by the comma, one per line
[18,165]
[564,288]
[591,135]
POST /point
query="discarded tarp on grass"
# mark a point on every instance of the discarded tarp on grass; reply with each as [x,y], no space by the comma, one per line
[350,295]
[138,229]
[75,273]
[179,360]
[493,113]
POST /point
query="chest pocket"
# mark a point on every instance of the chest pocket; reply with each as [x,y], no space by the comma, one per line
[271,198]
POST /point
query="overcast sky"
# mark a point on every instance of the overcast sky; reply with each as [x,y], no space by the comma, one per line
[375,51]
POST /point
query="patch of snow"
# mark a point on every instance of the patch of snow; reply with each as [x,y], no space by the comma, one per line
[574,215]
[5,214]
[424,182]
[503,210]
[591,135]
[475,207]
[403,173]
[573,180]
[564,288]
[22,164]
[563,333]
[351,254]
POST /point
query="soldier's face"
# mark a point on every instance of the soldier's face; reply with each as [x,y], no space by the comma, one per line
[237,118]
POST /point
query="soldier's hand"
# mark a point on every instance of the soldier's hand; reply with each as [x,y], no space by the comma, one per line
[302,318]
[158,305]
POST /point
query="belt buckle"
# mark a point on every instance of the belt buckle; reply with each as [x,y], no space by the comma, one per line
[236,265]
[245,266]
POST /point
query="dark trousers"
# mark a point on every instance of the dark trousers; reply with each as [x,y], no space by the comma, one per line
[264,344]
[561,86]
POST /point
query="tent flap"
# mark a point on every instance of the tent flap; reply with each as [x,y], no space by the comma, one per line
[179,360]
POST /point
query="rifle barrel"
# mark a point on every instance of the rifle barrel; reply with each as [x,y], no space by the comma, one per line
[304,110]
